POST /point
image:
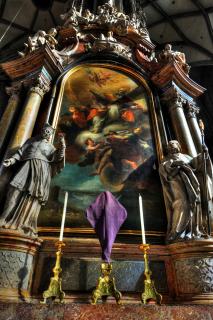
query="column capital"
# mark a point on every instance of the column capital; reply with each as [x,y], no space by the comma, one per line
[13,91]
[173,98]
[40,86]
[191,110]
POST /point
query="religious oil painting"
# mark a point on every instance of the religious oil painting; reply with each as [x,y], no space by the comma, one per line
[104,114]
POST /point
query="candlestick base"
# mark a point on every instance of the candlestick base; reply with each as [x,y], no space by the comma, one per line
[106,285]
[54,290]
[150,293]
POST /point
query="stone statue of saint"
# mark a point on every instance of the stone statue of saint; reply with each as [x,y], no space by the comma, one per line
[169,55]
[182,180]
[37,161]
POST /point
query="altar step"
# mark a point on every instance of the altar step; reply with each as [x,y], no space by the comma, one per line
[107,311]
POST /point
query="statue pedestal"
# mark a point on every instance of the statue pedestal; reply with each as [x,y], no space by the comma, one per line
[193,271]
[17,261]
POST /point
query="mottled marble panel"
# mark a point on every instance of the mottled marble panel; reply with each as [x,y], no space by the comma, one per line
[194,275]
[82,274]
[15,269]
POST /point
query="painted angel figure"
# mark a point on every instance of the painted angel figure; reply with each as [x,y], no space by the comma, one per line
[38,161]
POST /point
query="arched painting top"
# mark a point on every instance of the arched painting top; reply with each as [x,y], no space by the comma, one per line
[107,115]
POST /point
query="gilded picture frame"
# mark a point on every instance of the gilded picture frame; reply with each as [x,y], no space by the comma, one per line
[108,117]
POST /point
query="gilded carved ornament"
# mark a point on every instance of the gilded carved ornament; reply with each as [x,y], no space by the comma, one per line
[168,55]
[107,17]
[38,40]
[110,44]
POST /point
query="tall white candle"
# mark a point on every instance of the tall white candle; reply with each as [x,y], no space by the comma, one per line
[63,216]
[142,220]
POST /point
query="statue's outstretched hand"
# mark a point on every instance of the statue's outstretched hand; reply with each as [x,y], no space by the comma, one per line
[9,162]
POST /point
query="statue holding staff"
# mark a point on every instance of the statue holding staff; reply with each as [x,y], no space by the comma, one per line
[182,180]
[38,160]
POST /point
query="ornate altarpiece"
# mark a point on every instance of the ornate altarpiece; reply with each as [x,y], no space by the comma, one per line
[102,86]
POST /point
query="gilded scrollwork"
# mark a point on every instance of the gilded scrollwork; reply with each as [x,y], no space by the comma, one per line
[110,44]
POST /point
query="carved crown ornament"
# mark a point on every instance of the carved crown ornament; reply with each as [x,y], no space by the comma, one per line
[108,30]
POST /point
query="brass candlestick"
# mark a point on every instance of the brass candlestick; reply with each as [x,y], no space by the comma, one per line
[150,293]
[106,285]
[54,290]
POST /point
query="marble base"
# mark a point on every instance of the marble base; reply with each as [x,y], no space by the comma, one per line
[17,260]
[107,311]
[193,270]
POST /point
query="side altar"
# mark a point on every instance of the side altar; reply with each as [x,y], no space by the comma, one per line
[92,108]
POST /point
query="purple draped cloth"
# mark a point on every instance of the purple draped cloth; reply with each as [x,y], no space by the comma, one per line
[106,215]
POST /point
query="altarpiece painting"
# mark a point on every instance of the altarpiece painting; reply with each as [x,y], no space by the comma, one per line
[106,114]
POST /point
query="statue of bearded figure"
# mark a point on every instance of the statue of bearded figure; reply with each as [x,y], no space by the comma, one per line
[182,181]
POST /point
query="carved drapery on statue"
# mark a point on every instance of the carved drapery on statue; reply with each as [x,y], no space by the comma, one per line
[182,180]
[29,189]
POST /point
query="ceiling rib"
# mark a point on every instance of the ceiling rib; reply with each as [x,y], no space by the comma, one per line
[13,24]
[191,43]
[181,15]
[206,17]
[7,45]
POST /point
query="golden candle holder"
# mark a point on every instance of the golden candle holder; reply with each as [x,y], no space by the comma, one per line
[54,290]
[106,285]
[150,294]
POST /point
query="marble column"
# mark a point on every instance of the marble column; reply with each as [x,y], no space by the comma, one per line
[9,113]
[180,125]
[29,114]
[191,115]
[24,127]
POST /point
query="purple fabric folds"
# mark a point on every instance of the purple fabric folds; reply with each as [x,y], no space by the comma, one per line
[106,215]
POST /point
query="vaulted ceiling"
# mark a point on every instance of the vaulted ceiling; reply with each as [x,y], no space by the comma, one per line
[187,24]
